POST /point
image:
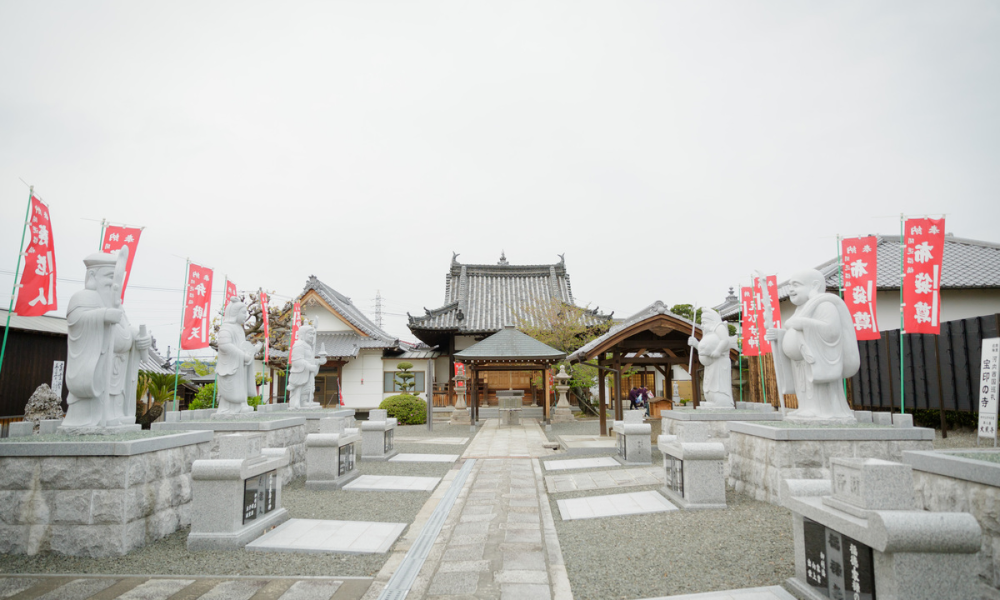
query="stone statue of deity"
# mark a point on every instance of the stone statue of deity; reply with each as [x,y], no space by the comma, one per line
[305,365]
[713,353]
[235,361]
[815,351]
[104,351]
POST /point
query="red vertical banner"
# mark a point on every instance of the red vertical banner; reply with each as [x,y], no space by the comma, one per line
[922,253]
[859,264]
[37,294]
[230,293]
[296,319]
[197,302]
[114,238]
[750,333]
[771,289]
[267,330]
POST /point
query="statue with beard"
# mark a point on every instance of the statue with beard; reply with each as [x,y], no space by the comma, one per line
[235,362]
[104,351]
[305,365]
[713,354]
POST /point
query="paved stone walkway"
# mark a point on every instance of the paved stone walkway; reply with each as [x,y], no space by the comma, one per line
[75,587]
[495,441]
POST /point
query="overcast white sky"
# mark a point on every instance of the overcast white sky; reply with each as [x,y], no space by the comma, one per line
[668,148]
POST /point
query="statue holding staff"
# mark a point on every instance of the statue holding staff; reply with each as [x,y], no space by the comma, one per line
[305,366]
[815,351]
[235,362]
[713,354]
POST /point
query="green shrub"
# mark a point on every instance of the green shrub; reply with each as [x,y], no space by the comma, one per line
[255,401]
[408,409]
[203,399]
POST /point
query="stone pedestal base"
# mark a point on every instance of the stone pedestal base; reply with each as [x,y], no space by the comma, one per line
[761,456]
[461,416]
[563,415]
[94,497]
[673,422]
[109,430]
[510,416]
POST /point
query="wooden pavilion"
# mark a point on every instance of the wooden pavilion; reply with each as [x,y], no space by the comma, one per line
[652,337]
[508,350]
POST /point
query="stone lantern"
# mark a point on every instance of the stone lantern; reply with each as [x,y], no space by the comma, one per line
[461,415]
[563,413]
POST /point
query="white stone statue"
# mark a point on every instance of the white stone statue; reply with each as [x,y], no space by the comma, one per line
[815,351]
[104,351]
[235,361]
[305,365]
[713,353]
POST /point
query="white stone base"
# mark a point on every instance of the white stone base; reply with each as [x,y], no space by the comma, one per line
[461,416]
[563,415]
[237,539]
[760,457]
[109,430]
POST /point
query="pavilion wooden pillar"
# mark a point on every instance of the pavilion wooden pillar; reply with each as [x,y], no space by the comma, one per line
[619,415]
[474,397]
[545,386]
[695,386]
[602,400]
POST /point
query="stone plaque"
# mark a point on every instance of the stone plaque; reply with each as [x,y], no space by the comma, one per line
[259,495]
[346,459]
[58,369]
[837,566]
[388,440]
[675,475]
[622,447]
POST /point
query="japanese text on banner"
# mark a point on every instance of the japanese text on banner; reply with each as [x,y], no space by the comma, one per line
[267,330]
[230,293]
[197,304]
[923,249]
[296,319]
[771,283]
[751,333]
[988,388]
[114,238]
[37,294]
[859,264]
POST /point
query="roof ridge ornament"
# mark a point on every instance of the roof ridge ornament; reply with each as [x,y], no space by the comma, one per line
[454,257]
[503,259]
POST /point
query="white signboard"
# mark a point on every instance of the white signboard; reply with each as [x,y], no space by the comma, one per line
[58,367]
[988,389]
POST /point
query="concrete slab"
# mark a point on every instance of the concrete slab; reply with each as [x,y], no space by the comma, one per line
[383,483]
[314,536]
[596,480]
[613,505]
[311,590]
[79,589]
[443,441]
[442,458]
[773,592]
[580,463]
[156,589]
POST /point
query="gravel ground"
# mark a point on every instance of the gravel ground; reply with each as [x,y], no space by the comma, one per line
[170,556]
[958,439]
[440,430]
[681,552]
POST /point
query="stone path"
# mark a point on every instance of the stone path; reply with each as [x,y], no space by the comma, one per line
[393,483]
[581,463]
[520,441]
[424,458]
[614,505]
[773,592]
[318,536]
[75,587]
[598,480]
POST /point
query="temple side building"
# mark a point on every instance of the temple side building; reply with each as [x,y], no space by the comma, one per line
[479,300]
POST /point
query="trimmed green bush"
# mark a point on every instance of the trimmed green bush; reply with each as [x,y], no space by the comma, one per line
[203,399]
[408,409]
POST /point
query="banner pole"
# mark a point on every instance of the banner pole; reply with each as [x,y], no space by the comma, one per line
[902,274]
[215,388]
[760,343]
[13,289]
[842,291]
[180,333]
[739,357]
[100,243]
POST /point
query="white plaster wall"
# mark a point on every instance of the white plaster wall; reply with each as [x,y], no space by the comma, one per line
[362,380]
[463,341]
[325,320]
[442,369]
[419,365]
[955,305]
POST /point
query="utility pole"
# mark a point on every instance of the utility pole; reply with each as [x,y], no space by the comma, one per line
[378,308]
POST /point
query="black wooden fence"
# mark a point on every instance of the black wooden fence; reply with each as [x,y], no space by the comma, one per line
[876,386]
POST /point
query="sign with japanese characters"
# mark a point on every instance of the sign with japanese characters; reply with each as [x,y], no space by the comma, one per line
[923,249]
[197,304]
[622,447]
[859,264]
[387,440]
[837,566]
[675,475]
[989,371]
[751,333]
[267,330]
[37,293]
[114,238]
[259,495]
[771,287]
[346,458]
[58,370]
[230,293]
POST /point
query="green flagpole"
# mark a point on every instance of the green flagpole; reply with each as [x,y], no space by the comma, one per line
[739,356]
[902,255]
[225,301]
[288,363]
[840,286]
[180,334]
[760,344]
[13,289]
[100,242]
